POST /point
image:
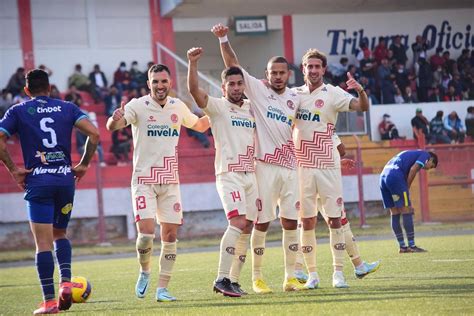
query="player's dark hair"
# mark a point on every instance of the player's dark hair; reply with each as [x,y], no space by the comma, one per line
[434,157]
[230,71]
[158,68]
[37,81]
[278,60]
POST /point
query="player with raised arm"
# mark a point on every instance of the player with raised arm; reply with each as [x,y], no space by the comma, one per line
[44,126]
[156,121]
[395,182]
[274,107]
[233,127]
[361,268]
[318,160]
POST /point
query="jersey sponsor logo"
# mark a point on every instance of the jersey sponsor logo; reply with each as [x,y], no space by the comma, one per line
[242,122]
[47,157]
[66,208]
[48,109]
[293,247]
[319,103]
[151,118]
[177,207]
[31,110]
[278,115]
[161,130]
[58,170]
[290,104]
[259,251]
[230,250]
[174,118]
[306,115]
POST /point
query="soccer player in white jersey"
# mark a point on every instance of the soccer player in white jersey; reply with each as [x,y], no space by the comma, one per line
[233,127]
[156,121]
[274,107]
[361,268]
[318,160]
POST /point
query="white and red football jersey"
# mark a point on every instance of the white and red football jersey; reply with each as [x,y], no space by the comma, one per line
[315,124]
[233,128]
[155,131]
[274,114]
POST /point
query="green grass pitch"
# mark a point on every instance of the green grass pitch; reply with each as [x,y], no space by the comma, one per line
[439,282]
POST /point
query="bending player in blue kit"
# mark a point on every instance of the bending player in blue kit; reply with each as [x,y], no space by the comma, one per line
[395,182]
[44,126]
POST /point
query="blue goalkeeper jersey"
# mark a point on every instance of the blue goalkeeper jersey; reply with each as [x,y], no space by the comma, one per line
[405,160]
[44,126]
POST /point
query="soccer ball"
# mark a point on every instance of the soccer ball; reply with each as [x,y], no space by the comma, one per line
[81,289]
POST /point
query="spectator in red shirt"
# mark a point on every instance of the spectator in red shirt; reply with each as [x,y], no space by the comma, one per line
[437,60]
[451,95]
[381,50]
[122,78]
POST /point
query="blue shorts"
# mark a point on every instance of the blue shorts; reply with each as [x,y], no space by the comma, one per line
[394,189]
[50,204]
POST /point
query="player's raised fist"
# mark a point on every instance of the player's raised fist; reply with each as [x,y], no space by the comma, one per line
[220,30]
[118,113]
[194,53]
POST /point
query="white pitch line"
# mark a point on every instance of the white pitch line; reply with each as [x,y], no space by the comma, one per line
[452,260]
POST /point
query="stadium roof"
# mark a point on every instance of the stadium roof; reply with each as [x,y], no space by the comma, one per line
[220,8]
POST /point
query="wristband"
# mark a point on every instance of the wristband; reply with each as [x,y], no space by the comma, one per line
[223,39]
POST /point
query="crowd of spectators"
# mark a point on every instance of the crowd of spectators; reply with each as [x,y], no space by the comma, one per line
[388,78]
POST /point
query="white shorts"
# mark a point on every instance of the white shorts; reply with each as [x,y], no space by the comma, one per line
[239,194]
[277,186]
[162,201]
[325,182]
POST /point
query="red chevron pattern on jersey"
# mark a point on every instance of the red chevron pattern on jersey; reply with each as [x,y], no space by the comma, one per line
[284,157]
[245,162]
[318,152]
[168,174]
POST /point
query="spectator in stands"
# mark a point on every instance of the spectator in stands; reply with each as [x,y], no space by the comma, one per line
[143,91]
[17,82]
[387,129]
[99,81]
[392,61]
[5,102]
[338,70]
[419,48]
[438,76]
[463,61]
[451,94]
[448,62]
[399,50]
[384,73]
[121,144]
[445,79]
[438,134]
[81,82]
[55,94]
[408,96]
[112,100]
[436,95]
[381,50]
[398,97]
[138,78]
[46,69]
[470,122]
[73,96]
[21,97]
[437,60]
[401,77]
[372,98]
[455,128]
[122,78]
[456,83]
[425,79]
[81,139]
[420,124]
[352,69]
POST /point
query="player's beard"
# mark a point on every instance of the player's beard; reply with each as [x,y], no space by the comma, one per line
[160,96]
[236,99]
[280,88]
